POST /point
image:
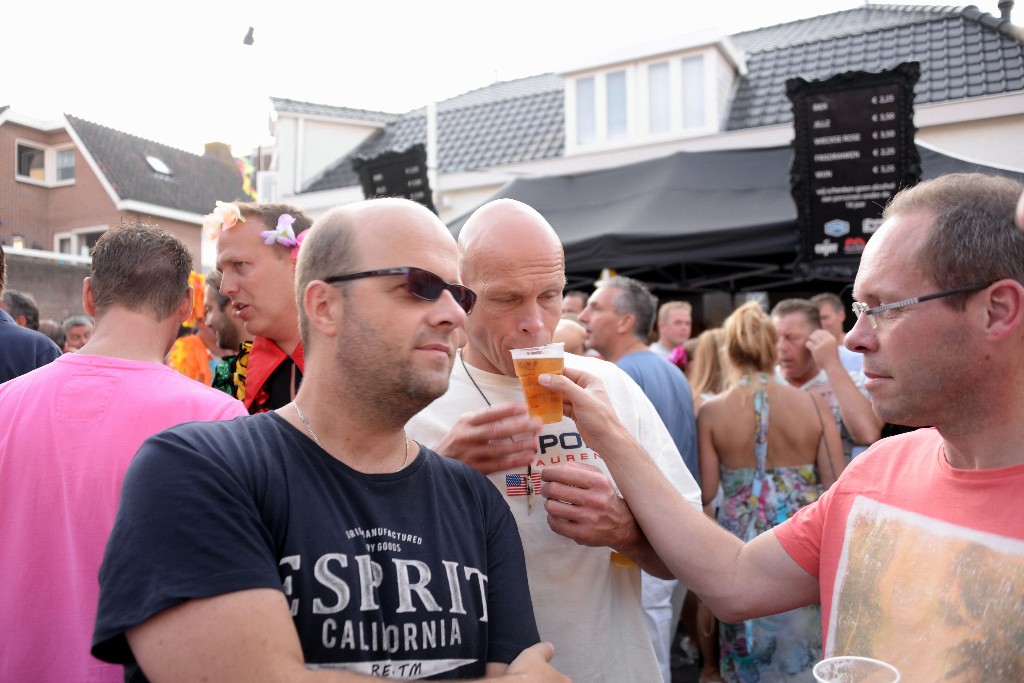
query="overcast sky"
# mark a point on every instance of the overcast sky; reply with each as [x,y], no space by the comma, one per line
[178,72]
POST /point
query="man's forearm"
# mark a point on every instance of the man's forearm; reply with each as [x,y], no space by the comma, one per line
[854,409]
[729,576]
[643,554]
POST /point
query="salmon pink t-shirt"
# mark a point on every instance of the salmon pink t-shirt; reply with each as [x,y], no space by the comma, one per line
[920,564]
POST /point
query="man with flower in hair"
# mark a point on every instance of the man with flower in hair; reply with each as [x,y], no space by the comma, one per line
[257,245]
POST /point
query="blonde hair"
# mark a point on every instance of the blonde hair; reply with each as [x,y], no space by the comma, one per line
[669,306]
[750,340]
[708,367]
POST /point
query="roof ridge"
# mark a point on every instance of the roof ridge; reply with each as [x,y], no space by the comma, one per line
[72,118]
[945,9]
[490,87]
[334,106]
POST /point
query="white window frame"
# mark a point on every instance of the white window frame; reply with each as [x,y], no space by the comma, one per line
[638,103]
[49,163]
[79,238]
[56,154]
[601,109]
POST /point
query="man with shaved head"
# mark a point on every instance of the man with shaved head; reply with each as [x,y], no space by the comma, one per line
[318,535]
[586,597]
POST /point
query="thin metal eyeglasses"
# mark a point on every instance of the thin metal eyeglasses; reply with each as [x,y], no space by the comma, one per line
[860,309]
[421,283]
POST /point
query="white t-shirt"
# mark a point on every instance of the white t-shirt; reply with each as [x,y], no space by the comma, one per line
[659,349]
[589,608]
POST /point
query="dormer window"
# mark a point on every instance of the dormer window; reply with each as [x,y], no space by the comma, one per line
[674,91]
[602,108]
[692,91]
[617,101]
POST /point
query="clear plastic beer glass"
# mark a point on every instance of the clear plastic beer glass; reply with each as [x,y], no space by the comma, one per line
[530,363]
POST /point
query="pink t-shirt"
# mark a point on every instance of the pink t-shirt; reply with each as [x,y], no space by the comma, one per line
[920,564]
[67,433]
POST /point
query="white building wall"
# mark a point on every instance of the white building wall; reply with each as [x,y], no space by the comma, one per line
[325,142]
[994,142]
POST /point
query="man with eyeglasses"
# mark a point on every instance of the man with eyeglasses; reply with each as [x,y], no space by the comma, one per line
[584,551]
[319,536]
[916,553]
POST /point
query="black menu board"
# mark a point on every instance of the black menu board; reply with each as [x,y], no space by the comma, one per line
[396,173]
[853,150]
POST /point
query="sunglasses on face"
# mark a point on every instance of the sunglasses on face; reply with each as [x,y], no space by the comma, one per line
[422,284]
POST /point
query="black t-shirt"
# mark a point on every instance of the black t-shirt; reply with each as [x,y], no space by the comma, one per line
[418,573]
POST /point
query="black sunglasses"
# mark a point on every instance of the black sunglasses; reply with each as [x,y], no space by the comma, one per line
[421,284]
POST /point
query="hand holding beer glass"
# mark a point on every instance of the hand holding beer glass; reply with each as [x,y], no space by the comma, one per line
[540,401]
[530,363]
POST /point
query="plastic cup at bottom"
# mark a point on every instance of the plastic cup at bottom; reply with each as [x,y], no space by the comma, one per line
[855,670]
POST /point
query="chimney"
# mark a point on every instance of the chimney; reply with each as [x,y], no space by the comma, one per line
[1005,7]
[221,152]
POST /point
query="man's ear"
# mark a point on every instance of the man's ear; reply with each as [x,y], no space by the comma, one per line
[627,323]
[1004,313]
[87,303]
[318,302]
[184,311]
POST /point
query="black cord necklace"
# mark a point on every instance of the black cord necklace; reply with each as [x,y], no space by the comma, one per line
[530,487]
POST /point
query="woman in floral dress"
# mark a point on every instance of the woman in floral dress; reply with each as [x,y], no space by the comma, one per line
[768,470]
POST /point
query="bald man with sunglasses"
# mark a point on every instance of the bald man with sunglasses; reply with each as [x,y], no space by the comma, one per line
[320,536]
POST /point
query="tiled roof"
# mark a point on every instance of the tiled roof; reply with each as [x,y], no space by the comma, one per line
[310,108]
[504,123]
[963,53]
[194,185]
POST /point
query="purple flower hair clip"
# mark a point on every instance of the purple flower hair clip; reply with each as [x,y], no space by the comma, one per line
[283,234]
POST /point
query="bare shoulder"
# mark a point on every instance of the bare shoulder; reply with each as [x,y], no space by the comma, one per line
[796,399]
[714,409]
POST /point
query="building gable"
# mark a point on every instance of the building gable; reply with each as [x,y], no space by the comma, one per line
[149,173]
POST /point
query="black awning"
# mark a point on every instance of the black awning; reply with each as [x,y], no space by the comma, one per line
[705,213]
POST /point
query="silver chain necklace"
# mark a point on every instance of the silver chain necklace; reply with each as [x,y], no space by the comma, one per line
[312,434]
[531,487]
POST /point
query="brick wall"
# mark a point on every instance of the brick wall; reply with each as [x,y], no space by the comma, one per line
[56,286]
[39,213]
[24,208]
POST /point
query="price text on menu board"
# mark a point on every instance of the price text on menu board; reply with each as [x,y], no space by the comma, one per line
[396,173]
[853,150]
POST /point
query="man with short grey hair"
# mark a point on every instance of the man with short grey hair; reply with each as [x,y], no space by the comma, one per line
[618,318]
[77,331]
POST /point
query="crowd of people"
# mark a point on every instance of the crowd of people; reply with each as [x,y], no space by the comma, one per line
[358,489]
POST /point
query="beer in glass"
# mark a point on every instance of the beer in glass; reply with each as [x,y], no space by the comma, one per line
[540,360]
